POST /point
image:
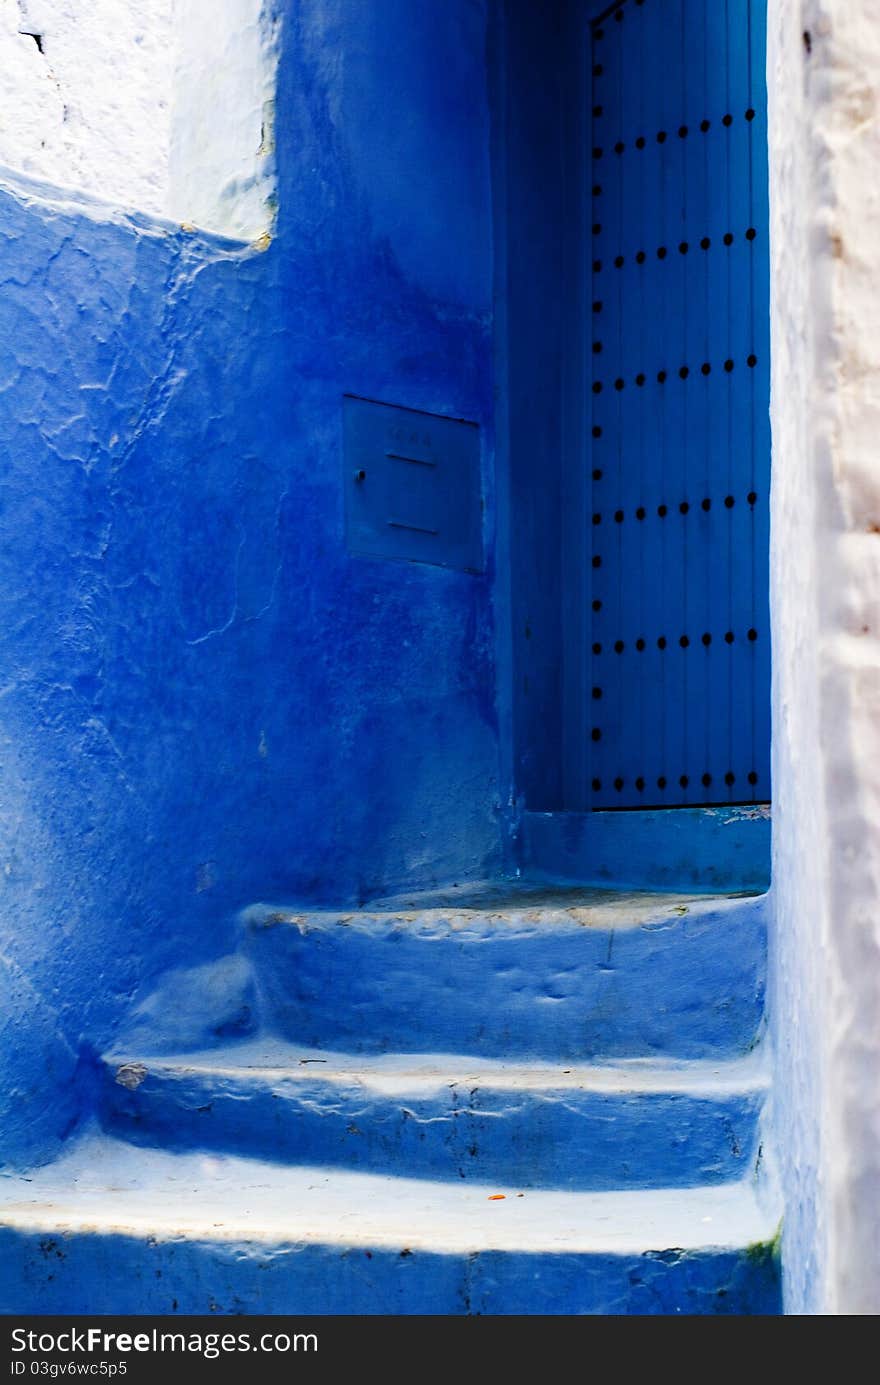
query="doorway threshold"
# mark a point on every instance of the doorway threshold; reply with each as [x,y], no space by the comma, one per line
[702,849]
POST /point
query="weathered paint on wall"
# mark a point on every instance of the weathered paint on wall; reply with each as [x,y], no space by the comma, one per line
[825,151]
[205,699]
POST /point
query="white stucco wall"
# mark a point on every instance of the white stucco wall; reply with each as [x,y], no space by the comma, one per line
[159,106]
[221,167]
[824,70]
[85,103]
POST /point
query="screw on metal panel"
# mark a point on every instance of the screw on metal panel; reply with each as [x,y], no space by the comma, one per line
[360,475]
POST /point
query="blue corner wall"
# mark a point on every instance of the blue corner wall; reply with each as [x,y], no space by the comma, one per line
[205,700]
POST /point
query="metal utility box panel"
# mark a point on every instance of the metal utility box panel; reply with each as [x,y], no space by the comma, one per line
[412,486]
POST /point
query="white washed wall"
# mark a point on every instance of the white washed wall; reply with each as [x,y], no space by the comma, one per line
[159,106]
[824,75]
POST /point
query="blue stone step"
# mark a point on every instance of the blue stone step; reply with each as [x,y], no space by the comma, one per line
[632,1125]
[111,1228]
[517,972]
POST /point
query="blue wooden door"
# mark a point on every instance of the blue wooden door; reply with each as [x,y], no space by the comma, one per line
[679,695]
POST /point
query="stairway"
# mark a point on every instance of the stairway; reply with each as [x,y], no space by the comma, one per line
[505,1099]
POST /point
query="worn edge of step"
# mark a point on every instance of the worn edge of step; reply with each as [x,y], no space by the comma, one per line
[490,911]
[267,1061]
[105,1186]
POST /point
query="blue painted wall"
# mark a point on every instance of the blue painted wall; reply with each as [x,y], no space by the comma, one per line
[205,700]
